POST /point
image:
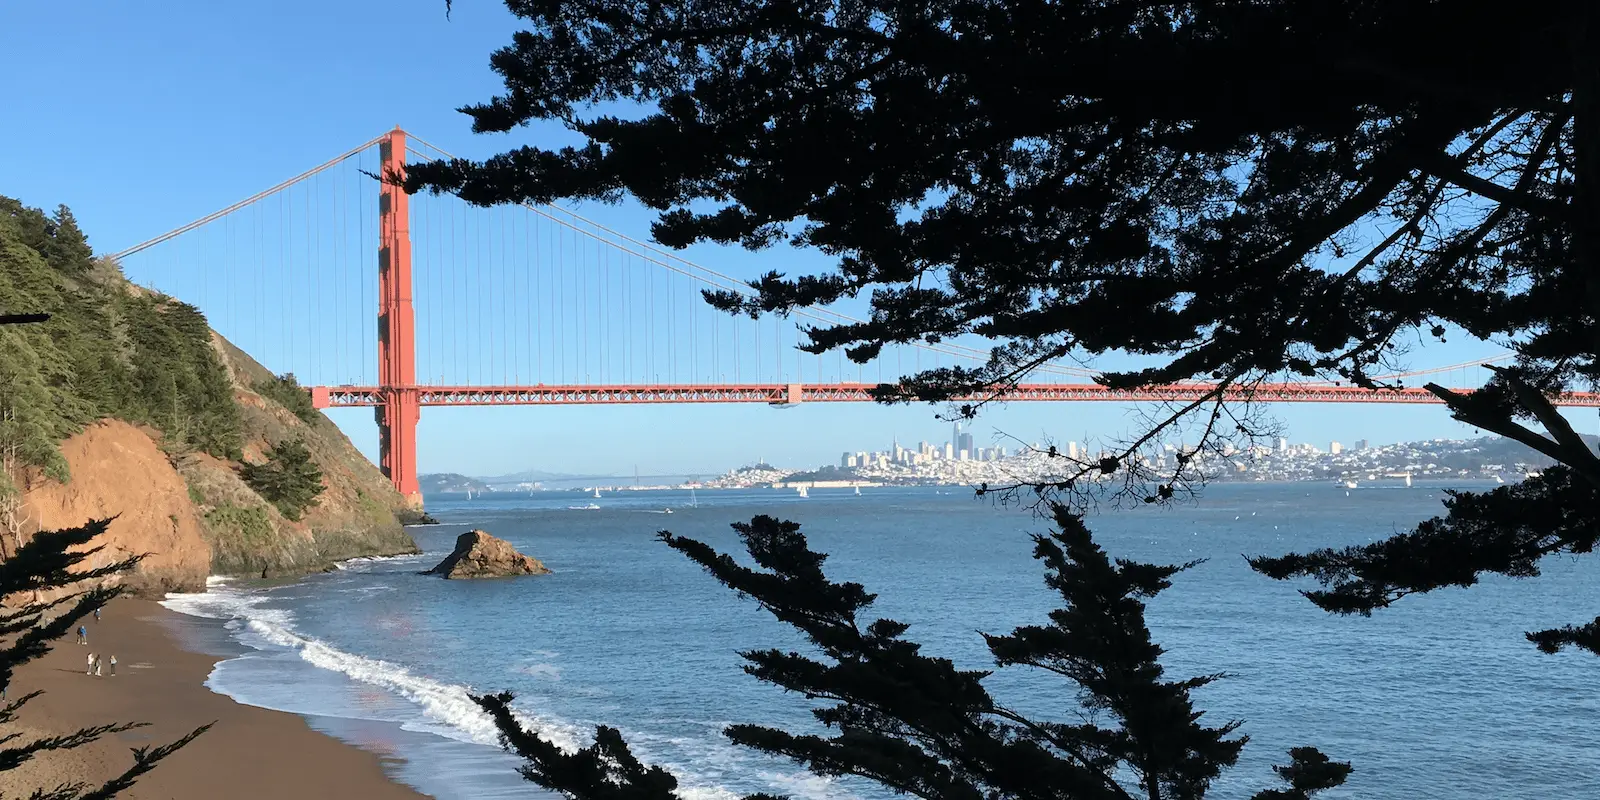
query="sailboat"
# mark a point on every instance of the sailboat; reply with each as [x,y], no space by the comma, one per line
[597,494]
[802,491]
[858,491]
[694,502]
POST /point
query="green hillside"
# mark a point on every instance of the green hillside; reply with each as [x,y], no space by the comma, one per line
[109,350]
[115,350]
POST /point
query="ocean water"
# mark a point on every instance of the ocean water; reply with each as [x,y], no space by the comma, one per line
[1439,697]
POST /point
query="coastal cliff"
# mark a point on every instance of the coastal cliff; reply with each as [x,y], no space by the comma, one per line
[127,404]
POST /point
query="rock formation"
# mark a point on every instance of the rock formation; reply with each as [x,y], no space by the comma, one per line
[479,555]
[118,471]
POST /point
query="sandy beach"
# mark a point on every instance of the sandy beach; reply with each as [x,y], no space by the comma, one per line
[249,753]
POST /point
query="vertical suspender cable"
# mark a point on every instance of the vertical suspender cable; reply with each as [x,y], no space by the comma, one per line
[455,310]
[335,220]
[694,339]
[283,280]
[229,249]
[672,334]
[650,327]
[530,250]
[584,367]
[311,354]
[514,324]
[504,332]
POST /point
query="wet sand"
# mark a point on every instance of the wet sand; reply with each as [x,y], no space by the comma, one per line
[249,753]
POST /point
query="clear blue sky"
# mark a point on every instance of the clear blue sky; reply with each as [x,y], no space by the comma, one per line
[143,117]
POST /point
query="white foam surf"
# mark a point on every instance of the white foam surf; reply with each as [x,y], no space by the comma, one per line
[447,708]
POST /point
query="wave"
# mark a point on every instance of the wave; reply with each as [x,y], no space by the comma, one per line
[367,563]
[447,710]
[447,707]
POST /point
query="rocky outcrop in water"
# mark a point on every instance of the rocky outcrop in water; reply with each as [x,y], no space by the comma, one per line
[479,555]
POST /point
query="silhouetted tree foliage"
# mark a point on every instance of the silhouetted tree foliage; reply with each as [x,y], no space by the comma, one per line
[288,479]
[54,563]
[1232,191]
[918,725]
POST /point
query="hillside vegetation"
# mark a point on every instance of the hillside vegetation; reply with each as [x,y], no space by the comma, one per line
[115,351]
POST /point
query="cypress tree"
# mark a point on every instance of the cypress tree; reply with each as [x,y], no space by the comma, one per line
[918,725]
[1233,192]
[289,478]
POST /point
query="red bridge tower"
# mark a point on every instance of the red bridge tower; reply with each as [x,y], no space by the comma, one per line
[397,343]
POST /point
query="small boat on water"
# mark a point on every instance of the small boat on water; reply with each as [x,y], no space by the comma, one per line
[590,507]
[597,494]
[802,491]
[666,511]
[1349,484]
[1498,479]
[858,491]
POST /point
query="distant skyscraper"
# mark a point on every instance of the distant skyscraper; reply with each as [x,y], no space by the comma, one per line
[949,451]
[1335,448]
[1361,444]
[1283,445]
[1073,451]
[847,460]
[964,442]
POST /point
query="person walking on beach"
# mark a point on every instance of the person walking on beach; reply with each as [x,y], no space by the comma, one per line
[83,635]
[113,666]
[97,614]
[89,670]
[97,666]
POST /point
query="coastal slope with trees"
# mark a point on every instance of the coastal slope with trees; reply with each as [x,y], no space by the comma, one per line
[167,422]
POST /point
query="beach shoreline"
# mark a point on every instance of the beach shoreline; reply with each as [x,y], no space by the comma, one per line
[249,752]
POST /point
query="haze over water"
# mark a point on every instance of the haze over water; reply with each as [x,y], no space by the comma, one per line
[1439,697]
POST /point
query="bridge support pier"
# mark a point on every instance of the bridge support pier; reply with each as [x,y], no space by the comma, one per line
[397,359]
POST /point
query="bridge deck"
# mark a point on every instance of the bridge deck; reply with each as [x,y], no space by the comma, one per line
[789,393]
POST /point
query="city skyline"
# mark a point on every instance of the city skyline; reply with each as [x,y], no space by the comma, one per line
[669,452]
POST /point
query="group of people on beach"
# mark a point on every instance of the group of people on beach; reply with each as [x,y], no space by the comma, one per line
[94,660]
[94,666]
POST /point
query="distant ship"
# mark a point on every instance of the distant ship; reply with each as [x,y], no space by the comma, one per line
[1349,484]
[590,507]
[802,491]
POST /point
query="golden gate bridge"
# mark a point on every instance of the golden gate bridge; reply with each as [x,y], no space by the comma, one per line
[536,305]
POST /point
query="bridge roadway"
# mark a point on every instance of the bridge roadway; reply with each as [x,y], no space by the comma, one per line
[782,394]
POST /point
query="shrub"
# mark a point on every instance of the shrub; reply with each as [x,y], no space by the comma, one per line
[287,392]
[289,479]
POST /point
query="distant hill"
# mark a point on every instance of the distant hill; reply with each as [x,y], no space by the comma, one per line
[827,473]
[532,475]
[449,483]
[1499,450]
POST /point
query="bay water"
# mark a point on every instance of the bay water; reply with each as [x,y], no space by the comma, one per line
[1439,697]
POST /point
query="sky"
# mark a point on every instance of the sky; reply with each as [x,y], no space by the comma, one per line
[144,117]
